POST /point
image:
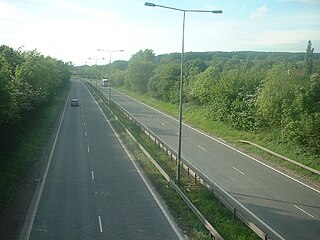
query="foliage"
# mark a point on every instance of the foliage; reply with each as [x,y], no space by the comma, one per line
[308,59]
[5,94]
[233,97]
[277,93]
[247,90]
[27,80]
[164,84]
[203,85]
[140,69]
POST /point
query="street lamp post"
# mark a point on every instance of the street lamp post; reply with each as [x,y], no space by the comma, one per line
[181,74]
[110,51]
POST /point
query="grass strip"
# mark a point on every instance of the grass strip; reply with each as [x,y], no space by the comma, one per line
[217,214]
[197,116]
[23,143]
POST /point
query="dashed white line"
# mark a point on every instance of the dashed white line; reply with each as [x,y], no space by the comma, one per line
[162,123]
[92,175]
[84,123]
[88,149]
[100,224]
[85,133]
[201,148]
[310,215]
[238,170]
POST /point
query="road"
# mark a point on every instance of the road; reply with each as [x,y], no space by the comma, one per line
[288,206]
[92,189]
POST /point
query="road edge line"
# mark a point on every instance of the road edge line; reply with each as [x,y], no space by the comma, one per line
[31,214]
[155,196]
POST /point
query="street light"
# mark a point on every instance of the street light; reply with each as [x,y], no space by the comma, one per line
[110,51]
[148,4]
[95,60]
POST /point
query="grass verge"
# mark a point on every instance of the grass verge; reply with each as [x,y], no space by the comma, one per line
[216,213]
[197,117]
[22,144]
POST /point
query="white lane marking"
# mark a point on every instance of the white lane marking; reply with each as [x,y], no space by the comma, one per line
[88,149]
[201,148]
[85,133]
[238,170]
[150,188]
[162,123]
[310,215]
[84,123]
[83,115]
[226,145]
[92,175]
[31,215]
[100,224]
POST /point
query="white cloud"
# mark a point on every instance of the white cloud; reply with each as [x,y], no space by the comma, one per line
[259,12]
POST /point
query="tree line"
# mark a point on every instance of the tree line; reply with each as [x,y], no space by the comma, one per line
[251,91]
[27,81]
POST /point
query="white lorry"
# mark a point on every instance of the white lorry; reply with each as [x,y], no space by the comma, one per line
[105,82]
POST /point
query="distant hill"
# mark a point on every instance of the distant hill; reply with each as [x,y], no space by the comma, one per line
[237,55]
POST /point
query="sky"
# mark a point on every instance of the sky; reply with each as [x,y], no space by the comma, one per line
[73,30]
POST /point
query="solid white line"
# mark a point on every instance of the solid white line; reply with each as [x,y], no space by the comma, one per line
[201,148]
[31,215]
[153,193]
[310,215]
[100,224]
[221,142]
[238,170]
[92,175]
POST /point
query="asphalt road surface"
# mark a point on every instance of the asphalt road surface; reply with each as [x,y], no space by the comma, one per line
[92,189]
[288,206]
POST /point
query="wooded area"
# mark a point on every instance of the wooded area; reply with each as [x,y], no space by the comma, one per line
[251,91]
[27,81]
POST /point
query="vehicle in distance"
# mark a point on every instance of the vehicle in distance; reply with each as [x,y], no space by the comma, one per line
[74,102]
[105,82]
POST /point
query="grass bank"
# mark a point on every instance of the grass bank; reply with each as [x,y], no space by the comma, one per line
[22,144]
[196,116]
[218,215]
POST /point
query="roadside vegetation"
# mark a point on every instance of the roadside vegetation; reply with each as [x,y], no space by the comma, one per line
[215,212]
[271,99]
[33,89]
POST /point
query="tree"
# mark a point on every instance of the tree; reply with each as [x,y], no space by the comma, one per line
[14,58]
[204,84]
[164,84]
[5,94]
[308,60]
[278,93]
[233,97]
[140,69]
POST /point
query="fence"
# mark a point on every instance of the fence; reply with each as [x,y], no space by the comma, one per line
[238,210]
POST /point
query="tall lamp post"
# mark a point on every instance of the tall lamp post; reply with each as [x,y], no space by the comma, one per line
[110,52]
[181,74]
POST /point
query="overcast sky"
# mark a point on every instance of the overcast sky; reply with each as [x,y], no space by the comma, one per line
[73,30]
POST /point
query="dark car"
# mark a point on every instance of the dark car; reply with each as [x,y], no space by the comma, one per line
[74,102]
